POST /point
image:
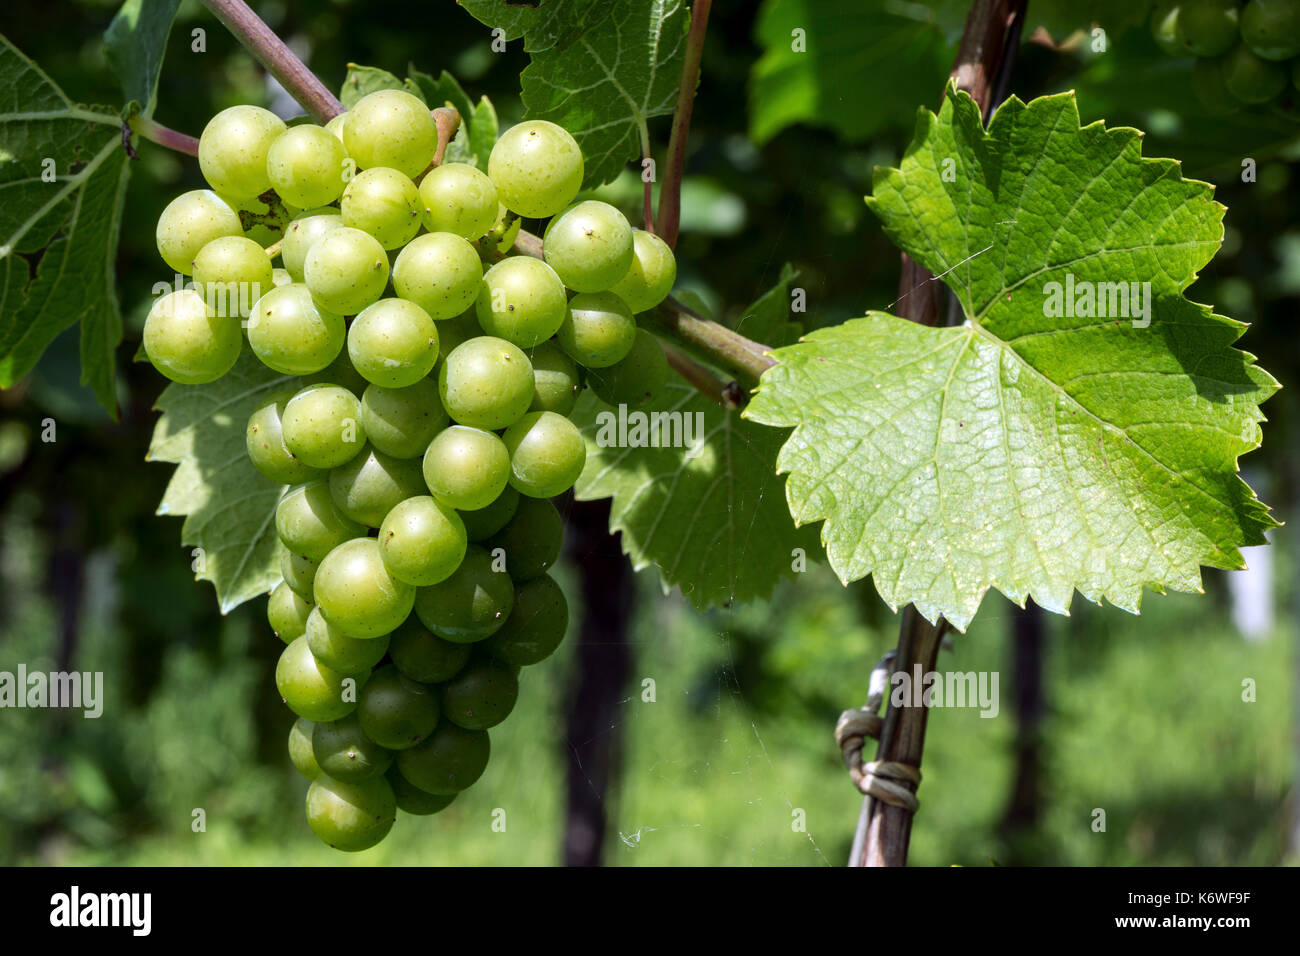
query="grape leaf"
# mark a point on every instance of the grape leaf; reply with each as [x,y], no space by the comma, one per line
[543,25]
[362,80]
[1029,450]
[63,175]
[135,43]
[478,123]
[710,516]
[228,505]
[605,85]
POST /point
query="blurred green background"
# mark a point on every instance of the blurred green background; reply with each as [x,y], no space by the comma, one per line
[733,762]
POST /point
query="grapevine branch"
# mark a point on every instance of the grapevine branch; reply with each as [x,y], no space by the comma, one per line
[987,51]
[275,55]
[670,194]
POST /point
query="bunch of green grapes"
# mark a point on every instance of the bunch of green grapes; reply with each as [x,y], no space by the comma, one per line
[1247,54]
[423,425]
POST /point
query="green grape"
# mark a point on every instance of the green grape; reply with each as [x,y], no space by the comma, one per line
[547,453]
[1164,27]
[233,150]
[1208,85]
[356,593]
[555,380]
[393,343]
[536,168]
[344,752]
[439,272]
[449,761]
[1251,79]
[1271,28]
[522,301]
[280,277]
[298,572]
[372,484]
[480,696]
[306,166]
[589,246]
[233,273]
[189,223]
[351,816]
[411,799]
[459,199]
[335,126]
[472,604]
[391,128]
[300,755]
[422,541]
[486,383]
[536,625]
[286,612]
[482,523]
[264,441]
[292,334]
[301,235]
[396,711]
[532,540]
[402,421]
[634,379]
[309,688]
[187,343]
[321,424]
[598,331]
[425,657]
[340,372]
[651,275]
[1207,27]
[337,651]
[466,467]
[384,203]
[310,524]
[346,270]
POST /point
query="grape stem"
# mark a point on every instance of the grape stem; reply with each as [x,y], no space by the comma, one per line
[716,343]
[157,133]
[281,62]
[670,193]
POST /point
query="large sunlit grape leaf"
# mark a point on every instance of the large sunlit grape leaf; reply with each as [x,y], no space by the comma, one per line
[710,517]
[63,175]
[610,80]
[1028,450]
[542,23]
[228,505]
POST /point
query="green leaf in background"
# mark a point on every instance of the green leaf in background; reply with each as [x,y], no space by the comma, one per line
[543,24]
[605,85]
[854,66]
[1029,451]
[711,518]
[136,41]
[63,175]
[229,507]
[362,80]
[478,123]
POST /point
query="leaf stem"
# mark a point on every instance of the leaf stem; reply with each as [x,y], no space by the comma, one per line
[281,62]
[157,133]
[727,394]
[670,192]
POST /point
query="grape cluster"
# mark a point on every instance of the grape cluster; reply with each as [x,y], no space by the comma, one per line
[426,424]
[1247,54]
